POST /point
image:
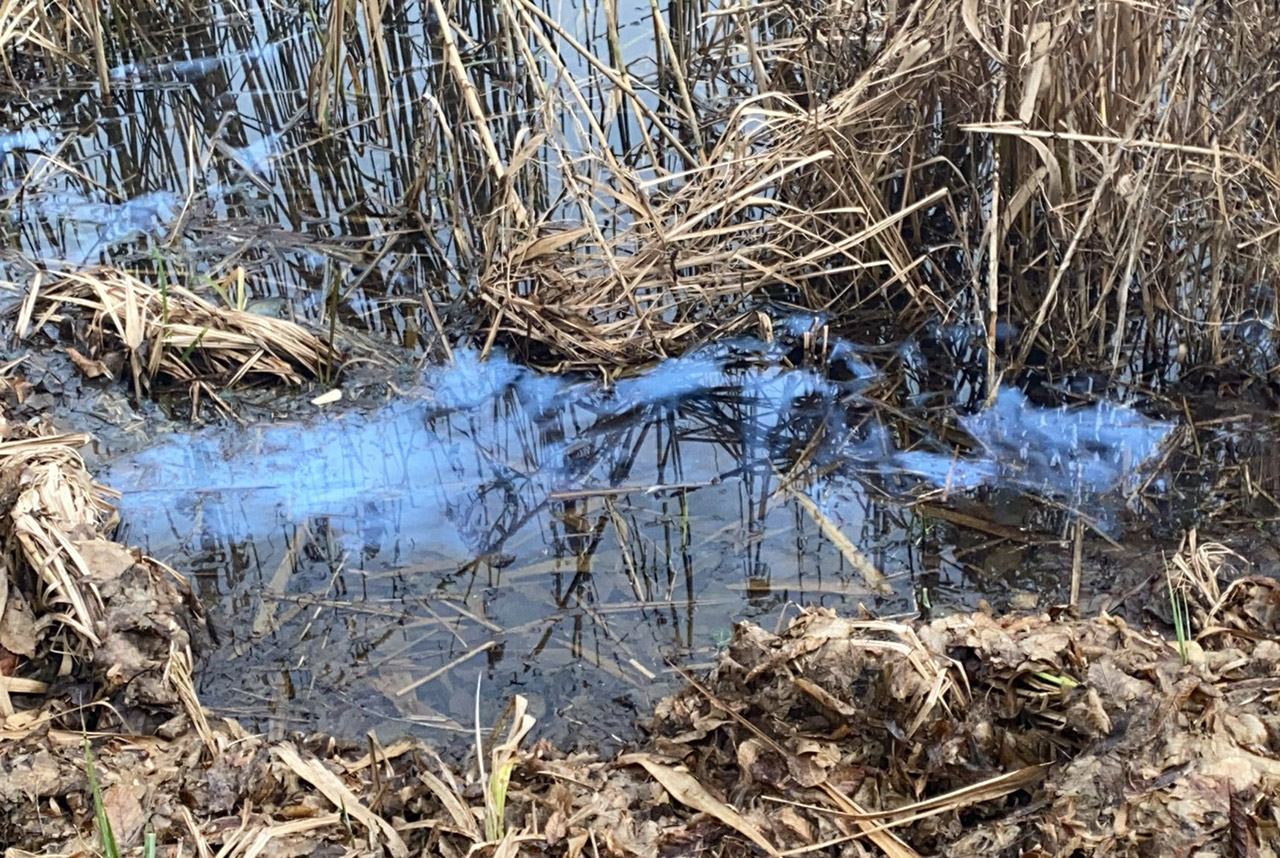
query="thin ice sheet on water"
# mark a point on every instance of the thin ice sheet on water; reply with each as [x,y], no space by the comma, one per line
[445,453]
[257,157]
[24,139]
[105,224]
[1063,451]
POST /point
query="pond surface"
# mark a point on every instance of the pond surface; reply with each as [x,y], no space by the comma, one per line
[571,542]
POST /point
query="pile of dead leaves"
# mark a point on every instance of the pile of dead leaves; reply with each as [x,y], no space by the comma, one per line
[970,736]
[1083,737]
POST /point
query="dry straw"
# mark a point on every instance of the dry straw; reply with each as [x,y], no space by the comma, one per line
[1101,176]
[176,333]
[61,598]
[54,505]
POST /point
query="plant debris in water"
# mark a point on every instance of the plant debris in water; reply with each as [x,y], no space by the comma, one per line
[539,512]
[933,161]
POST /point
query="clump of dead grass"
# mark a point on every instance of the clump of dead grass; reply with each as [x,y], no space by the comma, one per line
[50,503]
[172,333]
[70,597]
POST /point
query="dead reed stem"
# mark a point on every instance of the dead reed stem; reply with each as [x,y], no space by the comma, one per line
[1102,180]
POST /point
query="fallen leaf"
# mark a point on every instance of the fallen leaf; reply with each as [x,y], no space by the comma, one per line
[88,367]
[18,627]
[555,829]
[105,560]
[124,812]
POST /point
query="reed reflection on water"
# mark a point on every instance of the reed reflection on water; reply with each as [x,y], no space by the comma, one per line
[565,538]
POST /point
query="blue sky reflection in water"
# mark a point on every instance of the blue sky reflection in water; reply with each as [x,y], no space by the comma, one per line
[206,156]
[563,537]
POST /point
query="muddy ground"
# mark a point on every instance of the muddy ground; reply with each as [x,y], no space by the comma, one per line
[1100,730]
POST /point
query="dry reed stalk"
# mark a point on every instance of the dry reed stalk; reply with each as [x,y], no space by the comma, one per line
[1103,179]
[326,74]
[176,333]
[37,38]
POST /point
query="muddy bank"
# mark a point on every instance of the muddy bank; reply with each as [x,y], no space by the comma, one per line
[1030,734]
[970,736]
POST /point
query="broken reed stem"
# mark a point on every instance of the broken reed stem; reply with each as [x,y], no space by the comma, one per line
[472,100]
[690,117]
[1077,563]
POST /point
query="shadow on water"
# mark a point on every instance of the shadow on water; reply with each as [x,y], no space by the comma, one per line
[570,540]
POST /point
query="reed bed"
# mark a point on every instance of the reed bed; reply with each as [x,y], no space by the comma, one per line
[613,185]
[1101,177]
[39,41]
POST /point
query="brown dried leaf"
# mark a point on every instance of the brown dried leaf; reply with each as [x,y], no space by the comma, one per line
[18,626]
[555,829]
[761,764]
[125,813]
[88,367]
[790,819]
[105,560]
[1242,826]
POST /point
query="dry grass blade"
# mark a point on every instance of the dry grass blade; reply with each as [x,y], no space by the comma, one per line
[177,334]
[178,672]
[314,772]
[1199,566]
[854,556]
[684,788]
[458,812]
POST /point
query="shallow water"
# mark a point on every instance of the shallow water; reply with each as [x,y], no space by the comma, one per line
[568,540]
[208,153]
[564,539]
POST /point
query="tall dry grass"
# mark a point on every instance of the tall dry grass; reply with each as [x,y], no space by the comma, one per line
[39,40]
[1103,176]
[48,43]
